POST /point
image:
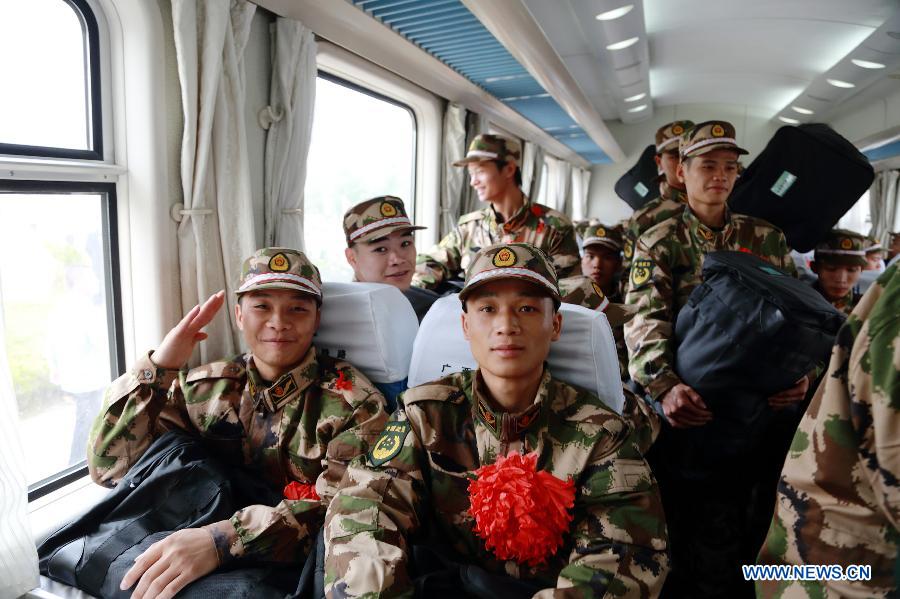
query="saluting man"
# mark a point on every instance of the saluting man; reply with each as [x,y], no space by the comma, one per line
[838,261]
[295,417]
[672,196]
[667,265]
[381,248]
[420,481]
[493,164]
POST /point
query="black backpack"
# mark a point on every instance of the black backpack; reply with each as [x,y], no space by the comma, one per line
[178,483]
[804,181]
[750,327]
[641,183]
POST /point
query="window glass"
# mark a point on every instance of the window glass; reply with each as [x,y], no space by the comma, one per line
[44,45]
[53,301]
[858,217]
[362,146]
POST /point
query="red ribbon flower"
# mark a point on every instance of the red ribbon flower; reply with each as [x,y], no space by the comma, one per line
[343,383]
[540,227]
[537,210]
[295,490]
[520,512]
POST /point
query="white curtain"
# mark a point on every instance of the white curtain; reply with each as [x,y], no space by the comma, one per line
[455,183]
[558,183]
[532,170]
[884,197]
[18,556]
[581,180]
[217,231]
[475,125]
[292,98]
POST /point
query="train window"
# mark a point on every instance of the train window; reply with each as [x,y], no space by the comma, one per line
[59,304]
[55,109]
[859,217]
[363,145]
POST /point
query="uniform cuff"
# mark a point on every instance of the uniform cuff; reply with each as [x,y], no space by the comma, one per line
[229,546]
[145,372]
[661,384]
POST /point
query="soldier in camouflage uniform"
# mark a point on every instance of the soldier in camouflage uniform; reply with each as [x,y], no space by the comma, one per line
[839,497]
[493,163]
[381,248]
[672,196]
[839,261]
[412,486]
[288,413]
[874,254]
[665,269]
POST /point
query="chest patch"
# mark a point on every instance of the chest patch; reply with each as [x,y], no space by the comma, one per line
[389,443]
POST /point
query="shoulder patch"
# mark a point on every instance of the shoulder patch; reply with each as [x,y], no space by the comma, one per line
[641,270]
[225,369]
[471,216]
[440,390]
[560,216]
[756,222]
[390,442]
[660,231]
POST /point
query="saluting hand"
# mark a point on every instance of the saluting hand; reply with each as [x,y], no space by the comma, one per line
[790,396]
[178,345]
[171,564]
[684,407]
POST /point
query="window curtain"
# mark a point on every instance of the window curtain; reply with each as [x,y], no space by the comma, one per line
[558,183]
[883,200]
[581,180]
[532,169]
[18,556]
[475,125]
[217,231]
[455,188]
[292,98]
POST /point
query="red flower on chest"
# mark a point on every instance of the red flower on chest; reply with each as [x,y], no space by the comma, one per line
[295,491]
[343,383]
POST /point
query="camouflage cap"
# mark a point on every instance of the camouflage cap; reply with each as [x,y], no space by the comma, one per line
[668,136]
[841,246]
[280,268]
[708,136]
[377,217]
[610,237]
[488,146]
[511,261]
[873,245]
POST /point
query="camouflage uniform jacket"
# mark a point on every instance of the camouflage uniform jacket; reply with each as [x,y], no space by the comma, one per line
[667,265]
[838,499]
[618,539]
[669,204]
[305,427]
[542,227]
[844,304]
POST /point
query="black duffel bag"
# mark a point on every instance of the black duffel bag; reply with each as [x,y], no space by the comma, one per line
[640,183]
[177,483]
[750,327]
[804,181]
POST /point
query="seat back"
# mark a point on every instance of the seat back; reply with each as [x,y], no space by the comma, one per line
[584,355]
[372,326]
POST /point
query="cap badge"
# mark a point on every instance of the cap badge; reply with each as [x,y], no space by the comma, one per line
[846,244]
[717,131]
[388,210]
[677,130]
[279,263]
[601,232]
[504,257]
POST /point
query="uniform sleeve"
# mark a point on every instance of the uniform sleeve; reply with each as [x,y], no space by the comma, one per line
[138,407]
[649,334]
[621,538]
[375,511]
[441,262]
[564,253]
[284,533]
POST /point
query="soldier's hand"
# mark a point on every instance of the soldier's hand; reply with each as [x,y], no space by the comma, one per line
[684,407]
[178,344]
[790,396]
[169,565]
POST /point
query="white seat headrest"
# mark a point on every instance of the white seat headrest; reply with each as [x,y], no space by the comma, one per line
[370,325]
[584,355]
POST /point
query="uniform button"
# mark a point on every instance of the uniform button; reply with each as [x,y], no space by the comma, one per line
[147,374]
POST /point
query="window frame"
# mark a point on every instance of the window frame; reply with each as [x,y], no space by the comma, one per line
[112,286]
[94,90]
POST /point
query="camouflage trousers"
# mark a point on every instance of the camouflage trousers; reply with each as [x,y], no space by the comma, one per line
[718,517]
